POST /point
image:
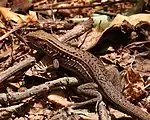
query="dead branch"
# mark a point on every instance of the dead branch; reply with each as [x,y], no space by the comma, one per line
[36,90]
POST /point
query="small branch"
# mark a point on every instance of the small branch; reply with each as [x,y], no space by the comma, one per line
[5,113]
[77,6]
[20,67]
[36,90]
[77,30]
[106,13]
[11,31]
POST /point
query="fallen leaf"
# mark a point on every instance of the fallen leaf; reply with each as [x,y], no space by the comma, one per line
[59,99]
[135,85]
[133,19]
[18,18]
[90,39]
[143,65]
[36,112]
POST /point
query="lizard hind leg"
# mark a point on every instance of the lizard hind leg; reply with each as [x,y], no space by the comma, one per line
[90,90]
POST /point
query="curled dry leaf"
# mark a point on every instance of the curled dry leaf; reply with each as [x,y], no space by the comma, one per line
[59,99]
[16,85]
[133,19]
[117,113]
[142,65]
[83,114]
[7,14]
[36,112]
[90,39]
[114,36]
[135,85]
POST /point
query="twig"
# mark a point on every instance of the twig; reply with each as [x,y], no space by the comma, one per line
[5,113]
[11,31]
[106,13]
[73,7]
[136,43]
[12,71]
[77,30]
[36,90]
[20,38]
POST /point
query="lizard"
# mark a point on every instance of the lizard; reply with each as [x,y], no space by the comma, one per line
[88,67]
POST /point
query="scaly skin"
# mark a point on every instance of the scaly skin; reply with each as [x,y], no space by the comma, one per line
[87,66]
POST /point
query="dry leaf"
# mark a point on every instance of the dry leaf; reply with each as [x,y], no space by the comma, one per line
[143,65]
[135,85]
[17,17]
[133,19]
[36,112]
[59,99]
[16,85]
[117,113]
[85,114]
[118,20]
[91,39]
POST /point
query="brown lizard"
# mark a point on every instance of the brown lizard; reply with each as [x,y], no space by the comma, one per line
[88,67]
